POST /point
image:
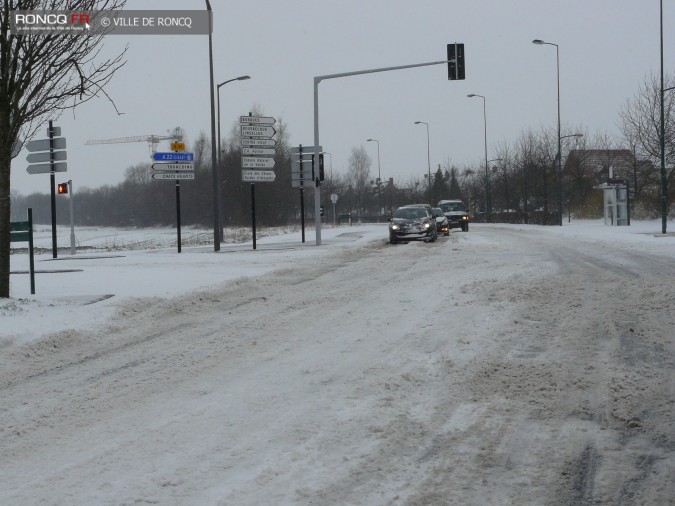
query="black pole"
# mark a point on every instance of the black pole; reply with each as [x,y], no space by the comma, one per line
[302,197]
[253,212]
[52,180]
[178,241]
[214,147]
[664,179]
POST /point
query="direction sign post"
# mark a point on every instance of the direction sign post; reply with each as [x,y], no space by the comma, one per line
[174,176]
[172,166]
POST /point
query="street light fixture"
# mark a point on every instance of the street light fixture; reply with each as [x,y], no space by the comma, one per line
[220,154]
[488,203]
[379,180]
[428,159]
[540,42]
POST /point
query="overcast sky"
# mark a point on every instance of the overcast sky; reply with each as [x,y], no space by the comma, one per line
[607,48]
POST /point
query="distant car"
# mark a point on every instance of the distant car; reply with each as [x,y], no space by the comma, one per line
[411,223]
[442,224]
[455,211]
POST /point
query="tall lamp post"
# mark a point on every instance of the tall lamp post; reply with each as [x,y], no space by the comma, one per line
[664,179]
[220,153]
[428,159]
[488,204]
[559,182]
[379,180]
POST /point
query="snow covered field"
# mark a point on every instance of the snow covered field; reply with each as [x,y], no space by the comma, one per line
[510,365]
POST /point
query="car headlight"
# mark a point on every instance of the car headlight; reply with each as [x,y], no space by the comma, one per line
[465,218]
[427,225]
[394,226]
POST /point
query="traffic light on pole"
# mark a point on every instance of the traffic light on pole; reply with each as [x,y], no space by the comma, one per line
[62,188]
[321,210]
[455,61]
[321,168]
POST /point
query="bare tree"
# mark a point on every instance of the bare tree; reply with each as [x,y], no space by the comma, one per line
[359,175]
[641,120]
[40,76]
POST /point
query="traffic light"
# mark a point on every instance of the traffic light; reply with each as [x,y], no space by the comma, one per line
[62,188]
[455,61]
[320,167]
[321,210]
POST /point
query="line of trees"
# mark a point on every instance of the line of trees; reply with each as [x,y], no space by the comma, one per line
[519,186]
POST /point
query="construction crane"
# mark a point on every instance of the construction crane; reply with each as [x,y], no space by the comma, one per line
[152,140]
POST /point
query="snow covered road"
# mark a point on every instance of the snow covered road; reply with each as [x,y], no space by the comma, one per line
[500,366]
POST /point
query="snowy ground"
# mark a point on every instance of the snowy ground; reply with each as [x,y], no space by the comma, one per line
[509,365]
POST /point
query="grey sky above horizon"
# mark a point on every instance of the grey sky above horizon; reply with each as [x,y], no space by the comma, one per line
[607,49]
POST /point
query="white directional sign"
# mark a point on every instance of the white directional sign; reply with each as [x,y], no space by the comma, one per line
[43,144]
[257,120]
[258,176]
[258,142]
[257,131]
[173,166]
[173,175]
[250,162]
[258,151]
[46,168]
[44,156]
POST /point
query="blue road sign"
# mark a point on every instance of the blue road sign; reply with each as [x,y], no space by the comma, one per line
[173,157]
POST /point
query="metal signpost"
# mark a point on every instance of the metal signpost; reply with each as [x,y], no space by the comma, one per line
[302,159]
[50,151]
[257,161]
[175,166]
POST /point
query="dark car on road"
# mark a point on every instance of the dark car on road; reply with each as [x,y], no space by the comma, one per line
[412,223]
[455,211]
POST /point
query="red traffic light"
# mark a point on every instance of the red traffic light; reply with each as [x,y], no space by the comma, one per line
[62,188]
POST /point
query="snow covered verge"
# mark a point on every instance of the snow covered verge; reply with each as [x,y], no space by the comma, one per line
[507,365]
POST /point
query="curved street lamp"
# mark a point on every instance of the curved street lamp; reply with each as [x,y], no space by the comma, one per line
[540,42]
[219,187]
[488,203]
[428,159]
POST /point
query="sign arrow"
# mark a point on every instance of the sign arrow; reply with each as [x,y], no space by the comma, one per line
[44,156]
[257,131]
[250,162]
[173,157]
[172,166]
[258,176]
[258,142]
[46,168]
[257,120]
[43,144]
[173,175]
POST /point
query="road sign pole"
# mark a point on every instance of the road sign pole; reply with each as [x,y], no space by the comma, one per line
[302,198]
[52,180]
[178,240]
[253,212]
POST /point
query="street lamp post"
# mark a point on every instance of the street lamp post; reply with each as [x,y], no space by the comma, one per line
[664,179]
[379,180]
[220,153]
[559,182]
[428,159]
[488,203]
